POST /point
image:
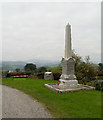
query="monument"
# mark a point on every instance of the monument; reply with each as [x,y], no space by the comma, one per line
[68,79]
[68,82]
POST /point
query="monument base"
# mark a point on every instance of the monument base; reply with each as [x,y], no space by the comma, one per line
[58,89]
[68,83]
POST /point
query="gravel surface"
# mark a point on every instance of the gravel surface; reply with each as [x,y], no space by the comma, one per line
[16,104]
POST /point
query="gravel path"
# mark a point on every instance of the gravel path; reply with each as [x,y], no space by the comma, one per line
[16,104]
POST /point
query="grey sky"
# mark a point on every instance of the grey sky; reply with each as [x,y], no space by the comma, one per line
[37,30]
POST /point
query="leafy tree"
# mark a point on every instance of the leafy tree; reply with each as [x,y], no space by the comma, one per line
[41,69]
[86,70]
[30,67]
[17,69]
[83,68]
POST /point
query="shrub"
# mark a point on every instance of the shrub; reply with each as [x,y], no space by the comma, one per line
[41,69]
[84,81]
[98,85]
[4,73]
[102,86]
[85,70]
[40,75]
[56,75]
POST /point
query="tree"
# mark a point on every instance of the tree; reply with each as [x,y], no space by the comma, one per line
[30,67]
[83,68]
[86,70]
[17,69]
[42,69]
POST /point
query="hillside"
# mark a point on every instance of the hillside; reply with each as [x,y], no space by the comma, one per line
[12,65]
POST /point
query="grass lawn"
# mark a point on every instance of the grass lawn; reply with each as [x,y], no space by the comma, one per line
[82,104]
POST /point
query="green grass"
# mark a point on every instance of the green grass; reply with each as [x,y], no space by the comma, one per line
[55,69]
[83,104]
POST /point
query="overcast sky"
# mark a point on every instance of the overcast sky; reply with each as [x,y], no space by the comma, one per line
[37,30]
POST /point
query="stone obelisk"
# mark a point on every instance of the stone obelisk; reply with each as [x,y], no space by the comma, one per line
[68,79]
[68,52]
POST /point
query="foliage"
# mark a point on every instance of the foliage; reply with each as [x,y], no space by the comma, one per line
[77,58]
[40,75]
[85,70]
[100,73]
[82,104]
[98,85]
[30,67]
[84,81]
[55,69]
[17,69]
[102,86]
[56,75]
[100,66]
[41,69]
[99,77]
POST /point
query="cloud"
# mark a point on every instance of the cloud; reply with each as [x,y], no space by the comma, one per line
[33,30]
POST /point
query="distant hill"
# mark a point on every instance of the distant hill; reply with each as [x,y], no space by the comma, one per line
[45,63]
[12,65]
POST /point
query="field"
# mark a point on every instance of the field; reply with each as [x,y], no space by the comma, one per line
[55,69]
[83,104]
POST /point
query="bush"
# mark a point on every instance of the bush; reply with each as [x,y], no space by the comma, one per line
[99,78]
[56,75]
[84,81]
[41,69]
[102,86]
[85,70]
[5,73]
[98,85]
[40,75]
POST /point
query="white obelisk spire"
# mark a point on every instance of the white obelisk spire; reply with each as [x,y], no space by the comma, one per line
[68,51]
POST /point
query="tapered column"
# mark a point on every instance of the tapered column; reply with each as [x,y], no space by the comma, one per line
[68,51]
[68,78]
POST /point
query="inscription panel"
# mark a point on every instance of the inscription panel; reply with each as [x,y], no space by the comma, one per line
[68,69]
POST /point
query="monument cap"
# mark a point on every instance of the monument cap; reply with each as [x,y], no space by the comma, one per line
[68,24]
